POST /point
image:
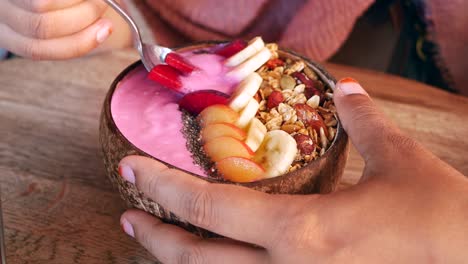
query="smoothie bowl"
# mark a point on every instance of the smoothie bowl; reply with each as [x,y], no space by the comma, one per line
[234,113]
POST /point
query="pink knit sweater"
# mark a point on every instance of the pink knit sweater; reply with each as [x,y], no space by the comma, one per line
[316,28]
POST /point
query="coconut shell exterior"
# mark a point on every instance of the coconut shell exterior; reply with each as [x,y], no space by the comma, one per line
[319,176]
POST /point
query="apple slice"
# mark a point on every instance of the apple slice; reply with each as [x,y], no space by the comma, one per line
[255,45]
[196,102]
[240,72]
[238,169]
[166,76]
[245,91]
[180,63]
[231,48]
[248,113]
[217,114]
[223,147]
[215,130]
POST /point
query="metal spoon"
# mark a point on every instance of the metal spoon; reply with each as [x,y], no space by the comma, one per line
[151,55]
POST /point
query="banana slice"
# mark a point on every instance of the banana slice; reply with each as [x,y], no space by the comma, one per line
[256,132]
[254,46]
[276,153]
[252,64]
[248,113]
[245,91]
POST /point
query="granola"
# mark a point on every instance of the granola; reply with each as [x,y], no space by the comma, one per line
[292,98]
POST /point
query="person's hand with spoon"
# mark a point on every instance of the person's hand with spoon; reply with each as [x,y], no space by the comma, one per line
[60,29]
[409,207]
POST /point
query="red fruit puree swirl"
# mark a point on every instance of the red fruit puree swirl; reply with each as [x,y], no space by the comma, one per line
[148,115]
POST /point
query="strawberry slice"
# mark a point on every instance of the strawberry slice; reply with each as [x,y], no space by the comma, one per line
[231,48]
[196,102]
[167,76]
[180,63]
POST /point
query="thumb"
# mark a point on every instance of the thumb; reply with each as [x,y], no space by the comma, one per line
[373,135]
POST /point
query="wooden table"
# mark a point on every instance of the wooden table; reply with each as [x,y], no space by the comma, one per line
[58,206]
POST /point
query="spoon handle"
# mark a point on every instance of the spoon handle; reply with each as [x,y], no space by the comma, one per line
[131,23]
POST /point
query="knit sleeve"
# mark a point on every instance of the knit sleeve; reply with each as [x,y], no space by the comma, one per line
[316,28]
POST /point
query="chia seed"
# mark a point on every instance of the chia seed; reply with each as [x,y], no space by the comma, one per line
[191,131]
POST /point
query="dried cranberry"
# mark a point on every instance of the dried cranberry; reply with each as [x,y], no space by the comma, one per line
[273,63]
[311,91]
[275,99]
[303,79]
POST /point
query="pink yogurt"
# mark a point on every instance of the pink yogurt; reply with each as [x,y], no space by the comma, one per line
[148,115]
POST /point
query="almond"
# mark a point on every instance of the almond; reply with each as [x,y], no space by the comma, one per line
[304,144]
[257,97]
[310,73]
[310,116]
[267,91]
[290,128]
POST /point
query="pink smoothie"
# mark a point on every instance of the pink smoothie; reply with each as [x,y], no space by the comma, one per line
[148,115]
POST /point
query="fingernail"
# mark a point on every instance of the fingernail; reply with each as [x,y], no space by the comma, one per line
[127,173]
[350,86]
[103,33]
[127,227]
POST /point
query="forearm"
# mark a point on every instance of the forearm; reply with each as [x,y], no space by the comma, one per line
[453,226]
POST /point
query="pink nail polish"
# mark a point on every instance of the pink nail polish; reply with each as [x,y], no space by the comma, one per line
[103,33]
[127,173]
[127,227]
[350,86]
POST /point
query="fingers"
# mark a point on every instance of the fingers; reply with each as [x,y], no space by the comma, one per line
[171,244]
[59,48]
[232,211]
[40,6]
[373,135]
[52,24]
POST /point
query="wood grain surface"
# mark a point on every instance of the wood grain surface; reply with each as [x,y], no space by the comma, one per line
[58,206]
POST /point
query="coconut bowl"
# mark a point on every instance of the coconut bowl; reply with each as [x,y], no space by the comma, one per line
[319,176]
